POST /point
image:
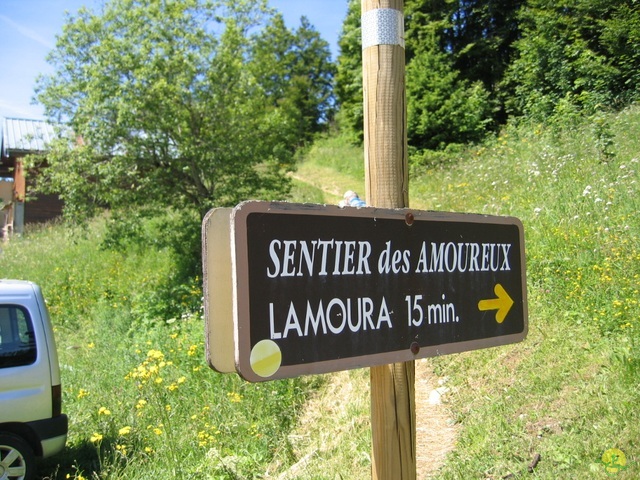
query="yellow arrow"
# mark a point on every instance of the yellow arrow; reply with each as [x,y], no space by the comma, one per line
[502,304]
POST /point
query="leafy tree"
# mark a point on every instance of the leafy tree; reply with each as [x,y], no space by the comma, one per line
[173,107]
[296,72]
[578,54]
[348,86]
[619,38]
[442,108]
[477,36]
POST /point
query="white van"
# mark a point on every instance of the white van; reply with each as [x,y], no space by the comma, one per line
[32,424]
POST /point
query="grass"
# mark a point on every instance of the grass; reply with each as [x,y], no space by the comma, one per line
[143,404]
[330,168]
[141,400]
[570,391]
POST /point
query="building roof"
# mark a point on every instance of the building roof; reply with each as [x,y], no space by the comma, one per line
[23,136]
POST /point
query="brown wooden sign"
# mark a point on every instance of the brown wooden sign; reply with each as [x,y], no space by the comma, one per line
[323,288]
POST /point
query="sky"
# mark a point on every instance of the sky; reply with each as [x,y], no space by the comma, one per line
[28,30]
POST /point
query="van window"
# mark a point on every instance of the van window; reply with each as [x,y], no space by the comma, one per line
[17,339]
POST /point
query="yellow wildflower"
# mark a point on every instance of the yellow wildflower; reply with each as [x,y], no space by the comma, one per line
[234,397]
[155,354]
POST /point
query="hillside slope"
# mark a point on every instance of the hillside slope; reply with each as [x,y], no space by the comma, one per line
[562,403]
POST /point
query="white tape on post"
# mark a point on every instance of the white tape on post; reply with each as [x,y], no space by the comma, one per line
[382,26]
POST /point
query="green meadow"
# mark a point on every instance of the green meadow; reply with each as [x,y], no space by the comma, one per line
[143,403]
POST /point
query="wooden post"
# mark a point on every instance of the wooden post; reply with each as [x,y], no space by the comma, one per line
[385,139]
[19,181]
[20,193]
[386,176]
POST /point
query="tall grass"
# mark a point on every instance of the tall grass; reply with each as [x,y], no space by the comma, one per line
[141,400]
[570,391]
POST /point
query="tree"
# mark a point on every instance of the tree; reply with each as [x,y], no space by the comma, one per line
[620,37]
[296,72]
[477,36]
[442,108]
[166,99]
[349,75]
[578,54]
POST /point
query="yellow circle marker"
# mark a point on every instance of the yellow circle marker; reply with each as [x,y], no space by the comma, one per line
[265,358]
[614,460]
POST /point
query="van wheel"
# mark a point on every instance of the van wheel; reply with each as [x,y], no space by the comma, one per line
[17,461]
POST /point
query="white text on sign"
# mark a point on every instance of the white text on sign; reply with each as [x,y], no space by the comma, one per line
[299,258]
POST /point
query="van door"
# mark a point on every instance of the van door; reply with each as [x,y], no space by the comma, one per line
[25,377]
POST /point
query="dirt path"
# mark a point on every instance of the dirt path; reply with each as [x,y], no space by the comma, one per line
[327,433]
[435,432]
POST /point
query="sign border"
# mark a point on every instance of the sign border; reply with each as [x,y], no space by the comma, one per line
[217,290]
[241,290]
